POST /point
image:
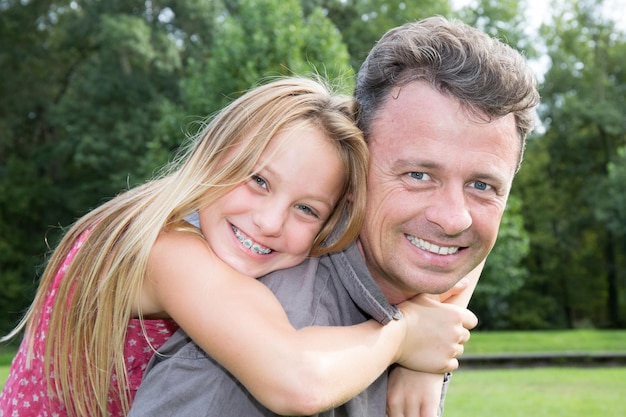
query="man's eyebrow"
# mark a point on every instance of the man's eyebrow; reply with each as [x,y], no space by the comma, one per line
[416,164]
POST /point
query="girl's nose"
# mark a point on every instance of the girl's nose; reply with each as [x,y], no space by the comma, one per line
[270,219]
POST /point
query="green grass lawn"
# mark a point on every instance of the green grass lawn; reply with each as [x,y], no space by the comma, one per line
[5,363]
[547,341]
[4,374]
[538,392]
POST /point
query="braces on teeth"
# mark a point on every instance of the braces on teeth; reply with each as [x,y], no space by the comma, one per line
[248,243]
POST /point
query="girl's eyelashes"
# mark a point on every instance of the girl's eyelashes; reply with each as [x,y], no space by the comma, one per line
[307,210]
[260,181]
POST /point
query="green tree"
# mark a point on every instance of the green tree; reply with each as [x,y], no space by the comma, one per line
[503,19]
[610,210]
[504,272]
[256,40]
[541,302]
[94,96]
[574,257]
[363,22]
[34,74]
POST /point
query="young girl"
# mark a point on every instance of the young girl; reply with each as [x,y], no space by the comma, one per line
[269,177]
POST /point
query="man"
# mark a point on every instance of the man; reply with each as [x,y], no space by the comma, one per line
[445,110]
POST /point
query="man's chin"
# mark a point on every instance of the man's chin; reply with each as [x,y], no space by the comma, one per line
[434,284]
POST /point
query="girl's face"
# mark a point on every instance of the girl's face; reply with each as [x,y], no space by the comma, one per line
[269,222]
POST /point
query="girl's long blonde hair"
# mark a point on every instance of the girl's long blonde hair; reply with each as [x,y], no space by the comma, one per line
[87,329]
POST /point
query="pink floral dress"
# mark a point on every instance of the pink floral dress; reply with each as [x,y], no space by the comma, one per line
[25,393]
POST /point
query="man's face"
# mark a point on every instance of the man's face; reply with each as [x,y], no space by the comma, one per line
[438,183]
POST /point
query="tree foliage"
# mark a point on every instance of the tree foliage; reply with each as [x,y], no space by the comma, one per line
[363,22]
[96,95]
[504,274]
[576,259]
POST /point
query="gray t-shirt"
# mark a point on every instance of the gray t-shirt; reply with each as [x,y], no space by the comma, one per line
[333,290]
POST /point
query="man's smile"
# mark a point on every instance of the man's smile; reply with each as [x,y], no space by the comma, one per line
[431,247]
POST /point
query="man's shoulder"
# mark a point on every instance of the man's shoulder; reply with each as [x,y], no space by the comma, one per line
[313,293]
[332,290]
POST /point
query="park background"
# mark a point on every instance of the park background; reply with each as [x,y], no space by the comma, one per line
[95,96]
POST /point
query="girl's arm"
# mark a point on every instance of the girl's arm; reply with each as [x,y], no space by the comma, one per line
[239,322]
[418,394]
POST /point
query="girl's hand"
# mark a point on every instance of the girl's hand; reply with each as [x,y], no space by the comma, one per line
[418,394]
[413,394]
[436,333]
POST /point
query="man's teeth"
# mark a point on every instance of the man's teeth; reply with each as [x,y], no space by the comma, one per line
[247,242]
[431,247]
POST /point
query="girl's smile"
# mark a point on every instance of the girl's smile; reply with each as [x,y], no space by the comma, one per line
[250,244]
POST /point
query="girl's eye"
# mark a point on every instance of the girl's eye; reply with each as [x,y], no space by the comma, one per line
[307,210]
[258,180]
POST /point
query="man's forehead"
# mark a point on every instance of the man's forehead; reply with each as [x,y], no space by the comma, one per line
[420,119]
[413,104]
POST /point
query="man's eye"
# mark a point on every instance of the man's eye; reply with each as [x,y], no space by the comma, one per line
[418,175]
[482,186]
[259,181]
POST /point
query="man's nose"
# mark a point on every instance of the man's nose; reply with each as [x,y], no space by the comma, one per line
[449,209]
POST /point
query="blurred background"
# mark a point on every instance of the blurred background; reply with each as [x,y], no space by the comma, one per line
[95,96]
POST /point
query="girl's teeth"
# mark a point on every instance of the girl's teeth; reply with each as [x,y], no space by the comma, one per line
[254,247]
